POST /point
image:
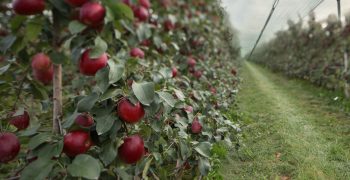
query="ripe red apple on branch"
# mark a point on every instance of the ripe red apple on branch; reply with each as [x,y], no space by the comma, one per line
[20,122]
[141,13]
[145,3]
[28,7]
[76,142]
[129,112]
[137,53]
[92,14]
[132,149]
[76,3]
[196,126]
[42,68]
[89,66]
[169,25]
[84,120]
[174,72]
[9,147]
[191,62]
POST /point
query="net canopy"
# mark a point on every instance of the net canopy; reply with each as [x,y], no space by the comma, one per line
[249,16]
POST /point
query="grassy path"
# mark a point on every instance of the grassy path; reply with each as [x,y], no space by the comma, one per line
[290,132]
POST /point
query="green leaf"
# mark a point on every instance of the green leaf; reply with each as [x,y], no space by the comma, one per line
[57,57]
[19,112]
[144,92]
[104,123]
[16,22]
[33,29]
[87,103]
[117,34]
[70,120]
[204,166]
[143,32]
[203,148]
[115,71]
[76,27]
[179,94]
[102,79]
[38,140]
[166,73]
[168,98]
[4,69]
[7,42]
[85,166]
[100,48]
[145,170]
[123,174]
[30,131]
[108,153]
[39,90]
[120,10]
[184,150]
[110,93]
[37,170]
[51,150]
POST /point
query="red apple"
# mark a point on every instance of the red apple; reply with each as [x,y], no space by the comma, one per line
[169,25]
[188,109]
[84,120]
[145,3]
[28,7]
[137,53]
[165,3]
[191,69]
[76,142]
[20,122]
[213,90]
[127,2]
[197,74]
[174,72]
[76,3]
[9,147]
[196,126]
[146,43]
[89,66]
[44,76]
[234,71]
[187,165]
[191,62]
[92,14]
[132,149]
[141,13]
[128,112]
[41,62]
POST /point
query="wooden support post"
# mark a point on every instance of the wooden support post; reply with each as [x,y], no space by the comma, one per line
[57,99]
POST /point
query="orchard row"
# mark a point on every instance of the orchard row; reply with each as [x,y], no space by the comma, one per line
[144,88]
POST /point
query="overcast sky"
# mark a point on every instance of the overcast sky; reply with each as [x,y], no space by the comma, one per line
[249,16]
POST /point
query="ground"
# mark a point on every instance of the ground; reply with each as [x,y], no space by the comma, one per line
[290,131]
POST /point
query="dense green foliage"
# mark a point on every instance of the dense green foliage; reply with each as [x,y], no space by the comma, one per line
[198,30]
[314,52]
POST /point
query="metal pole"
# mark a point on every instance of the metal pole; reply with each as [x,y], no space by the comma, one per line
[265,25]
[339,10]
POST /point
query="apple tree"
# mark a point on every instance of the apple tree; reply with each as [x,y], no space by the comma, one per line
[115,89]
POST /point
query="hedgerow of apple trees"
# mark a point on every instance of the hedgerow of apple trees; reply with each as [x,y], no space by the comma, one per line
[114,89]
[312,51]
